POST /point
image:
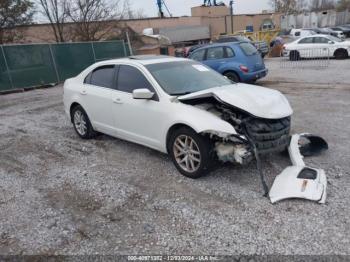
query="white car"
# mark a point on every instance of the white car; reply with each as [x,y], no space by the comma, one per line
[317,46]
[180,107]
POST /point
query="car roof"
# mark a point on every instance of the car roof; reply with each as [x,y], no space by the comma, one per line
[145,59]
[316,35]
[221,44]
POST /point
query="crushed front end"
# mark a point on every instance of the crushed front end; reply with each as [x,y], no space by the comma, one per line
[254,135]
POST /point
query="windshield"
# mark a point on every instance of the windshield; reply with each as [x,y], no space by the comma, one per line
[334,39]
[185,77]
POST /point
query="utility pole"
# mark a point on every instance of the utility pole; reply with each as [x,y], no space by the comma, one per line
[231,12]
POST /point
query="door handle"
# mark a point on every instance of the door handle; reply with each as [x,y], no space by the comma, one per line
[83,92]
[117,100]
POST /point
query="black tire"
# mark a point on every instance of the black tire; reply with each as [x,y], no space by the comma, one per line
[294,55]
[204,146]
[232,76]
[89,132]
[341,54]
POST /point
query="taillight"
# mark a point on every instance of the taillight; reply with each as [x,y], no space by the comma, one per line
[244,68]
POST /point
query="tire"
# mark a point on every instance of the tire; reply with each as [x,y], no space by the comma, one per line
[193,159]
[232,76]
[340,54]
[81,123]
[294,55]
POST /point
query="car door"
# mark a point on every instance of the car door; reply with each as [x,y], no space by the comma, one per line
[321,46]
[215,57]
[305,47]
[96,97]
[137,120]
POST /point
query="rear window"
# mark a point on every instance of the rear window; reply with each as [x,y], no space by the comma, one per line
[248,48]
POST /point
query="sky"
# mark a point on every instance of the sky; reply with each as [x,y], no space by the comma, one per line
[183,7]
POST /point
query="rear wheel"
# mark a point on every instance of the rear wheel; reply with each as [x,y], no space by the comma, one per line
[294,55]
[190,152]
[81,123]
[232,76]
[341,54]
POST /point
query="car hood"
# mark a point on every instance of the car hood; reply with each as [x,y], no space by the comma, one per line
[258,101]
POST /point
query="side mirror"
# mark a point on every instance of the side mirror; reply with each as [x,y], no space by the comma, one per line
[330,42]
[142,93]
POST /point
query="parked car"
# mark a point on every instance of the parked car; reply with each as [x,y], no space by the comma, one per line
[301,32]
[345,30]
[336,33]
[262,46]
[327,31]
[179,107]
[317,46]
[238,61]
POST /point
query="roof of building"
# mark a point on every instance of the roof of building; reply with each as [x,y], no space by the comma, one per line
[180,34]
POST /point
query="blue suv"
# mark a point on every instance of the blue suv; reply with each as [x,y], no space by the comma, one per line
[238,61]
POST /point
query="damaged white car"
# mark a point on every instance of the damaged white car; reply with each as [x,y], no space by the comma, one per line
[179,107]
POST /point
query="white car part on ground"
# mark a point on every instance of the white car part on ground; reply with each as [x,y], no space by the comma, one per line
[299,181]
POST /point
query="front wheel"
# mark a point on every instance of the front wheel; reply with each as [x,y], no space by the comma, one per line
[190,152]
[341,54]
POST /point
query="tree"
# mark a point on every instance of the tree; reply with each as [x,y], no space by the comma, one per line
[56,12]
[284,6]
[317,5]
[343,5]
[14,13]
[130,13]
[95,19]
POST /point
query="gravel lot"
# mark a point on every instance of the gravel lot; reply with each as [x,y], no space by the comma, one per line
[62,195]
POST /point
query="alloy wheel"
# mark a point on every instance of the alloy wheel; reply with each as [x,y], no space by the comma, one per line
[187,154]
[80,122]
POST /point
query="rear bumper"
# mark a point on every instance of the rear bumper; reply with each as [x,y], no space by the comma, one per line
[254,75]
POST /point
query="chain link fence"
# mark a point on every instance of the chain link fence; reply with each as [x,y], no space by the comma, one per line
[26,66]
[306,58]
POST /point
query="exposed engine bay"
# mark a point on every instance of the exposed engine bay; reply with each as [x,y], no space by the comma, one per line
[264,135]
[257,136]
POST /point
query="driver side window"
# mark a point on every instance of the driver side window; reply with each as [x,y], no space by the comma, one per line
[308,40]
[130,78]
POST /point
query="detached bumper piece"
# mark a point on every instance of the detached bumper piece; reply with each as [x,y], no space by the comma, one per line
[299,181]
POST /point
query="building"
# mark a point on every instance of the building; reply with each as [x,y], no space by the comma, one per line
[204,24]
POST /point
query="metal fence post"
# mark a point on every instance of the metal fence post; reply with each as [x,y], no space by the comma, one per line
[7,68]
[54,64]
[93,51]
[125,53]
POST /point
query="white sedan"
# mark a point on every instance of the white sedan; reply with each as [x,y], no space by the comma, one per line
[180,107]
[317,46]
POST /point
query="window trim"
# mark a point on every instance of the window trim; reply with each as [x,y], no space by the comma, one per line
[226,54]
[87,80]
[154,98]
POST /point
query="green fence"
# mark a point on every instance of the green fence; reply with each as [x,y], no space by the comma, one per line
[25,66]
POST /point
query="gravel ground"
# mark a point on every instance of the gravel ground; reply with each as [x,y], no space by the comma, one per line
[62,195]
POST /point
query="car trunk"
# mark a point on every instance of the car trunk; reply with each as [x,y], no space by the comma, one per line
[255,62]
[253,58]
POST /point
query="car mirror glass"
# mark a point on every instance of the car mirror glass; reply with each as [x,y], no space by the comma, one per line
[142,93]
